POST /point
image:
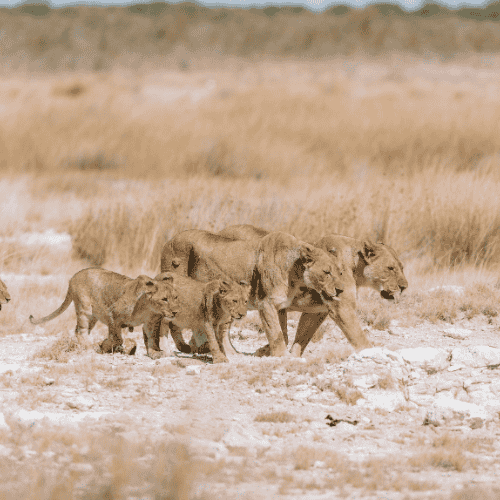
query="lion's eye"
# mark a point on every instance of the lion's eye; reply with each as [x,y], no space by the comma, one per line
[235,301]
[390,268]
[165,299]
[328,273]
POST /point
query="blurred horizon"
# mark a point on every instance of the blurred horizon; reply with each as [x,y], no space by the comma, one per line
[313,5]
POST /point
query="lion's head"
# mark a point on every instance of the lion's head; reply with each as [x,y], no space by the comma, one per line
[4,294]
[160,297]
[322,271]
[234,297]
[383,271]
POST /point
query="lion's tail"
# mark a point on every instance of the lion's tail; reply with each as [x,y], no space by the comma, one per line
[57,312]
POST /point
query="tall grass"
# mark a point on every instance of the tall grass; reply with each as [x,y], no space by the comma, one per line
[409,161]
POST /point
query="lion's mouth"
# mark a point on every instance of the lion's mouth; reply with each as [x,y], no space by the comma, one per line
[387,295]
[328,297]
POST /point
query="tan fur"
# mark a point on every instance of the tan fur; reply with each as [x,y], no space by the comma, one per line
[205,308]
[4,294]
[278,267]
[365,263]
[115,300]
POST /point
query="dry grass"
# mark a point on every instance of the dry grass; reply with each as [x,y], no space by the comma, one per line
[450,452]
[304,160]
[62,349]
[275,417]
[100,464]
[346,393]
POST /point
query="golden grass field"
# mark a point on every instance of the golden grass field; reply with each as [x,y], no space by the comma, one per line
[396,148]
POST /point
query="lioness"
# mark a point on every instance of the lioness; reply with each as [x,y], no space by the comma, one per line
[205,308]
[4,294]
[115,300]
[373,265]
[278,267]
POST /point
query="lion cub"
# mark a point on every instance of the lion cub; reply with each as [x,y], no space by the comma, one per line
[205,309]
[115,300]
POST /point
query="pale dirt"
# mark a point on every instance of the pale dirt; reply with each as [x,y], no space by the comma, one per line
[141,399]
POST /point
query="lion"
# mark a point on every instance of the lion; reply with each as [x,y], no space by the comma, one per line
[115,300]
[206,309]
[4,294]
[367,264]
[278,267]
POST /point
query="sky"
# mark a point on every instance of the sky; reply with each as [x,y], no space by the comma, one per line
[310,4]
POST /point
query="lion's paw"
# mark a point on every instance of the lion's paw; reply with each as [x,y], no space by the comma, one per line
[263,351]
[155,354]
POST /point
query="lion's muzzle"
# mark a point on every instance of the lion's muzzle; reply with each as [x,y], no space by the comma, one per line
[329,297]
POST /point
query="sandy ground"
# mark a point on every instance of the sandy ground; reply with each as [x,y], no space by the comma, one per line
[262,423]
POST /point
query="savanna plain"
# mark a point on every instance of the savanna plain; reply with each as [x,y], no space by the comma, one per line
[101,169]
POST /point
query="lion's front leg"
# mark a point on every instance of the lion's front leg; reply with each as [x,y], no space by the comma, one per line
[224,341]
[178,339]
[271,324]
[343,312]
[217,355]
[114,342]
[283,317]
[151,332]
[308,324]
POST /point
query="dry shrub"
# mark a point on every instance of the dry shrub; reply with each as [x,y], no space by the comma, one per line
[448,452]
[95,464]
[347,394]
[304,457]
[275,417]
[64,347]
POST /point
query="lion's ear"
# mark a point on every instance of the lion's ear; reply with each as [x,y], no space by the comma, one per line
[176,263]
[333,251]
[145,285]
[368,250]
[306,254]
[224,287]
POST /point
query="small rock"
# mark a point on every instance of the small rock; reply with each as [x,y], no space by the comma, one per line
[428,358]
[243,440]
[207,448]
[366,381]
[80,403]
[193,370]
[384,400]
[3,423]
[475,356]
[455,368]
[457,333]
[301,395]
[48,381]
